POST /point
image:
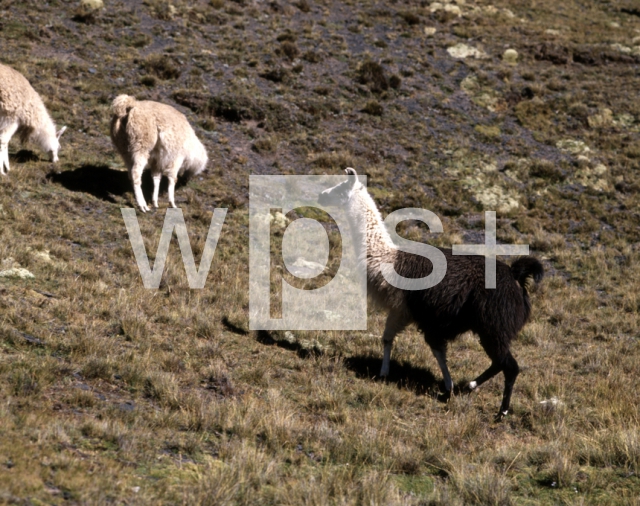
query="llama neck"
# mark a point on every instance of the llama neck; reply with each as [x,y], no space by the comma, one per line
[371,237]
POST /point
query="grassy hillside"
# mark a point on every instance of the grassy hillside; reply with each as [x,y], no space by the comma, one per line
[111,393]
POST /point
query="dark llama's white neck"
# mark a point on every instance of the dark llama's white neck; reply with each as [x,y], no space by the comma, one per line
[366,219]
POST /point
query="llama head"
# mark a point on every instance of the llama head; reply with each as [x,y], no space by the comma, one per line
[340,194]
[54,147]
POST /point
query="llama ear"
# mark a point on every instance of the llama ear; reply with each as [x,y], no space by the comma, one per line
[350,171]
[61,131]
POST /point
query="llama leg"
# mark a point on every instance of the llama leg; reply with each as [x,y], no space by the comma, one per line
[172,175]
[511,371]
[156,188]
[139,163]
[441,357]
[396,322]
[493,369]
[171,191]
[5,137]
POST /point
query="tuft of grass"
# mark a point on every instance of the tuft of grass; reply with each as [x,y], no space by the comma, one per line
[162,65]
[373,107]
[373,75]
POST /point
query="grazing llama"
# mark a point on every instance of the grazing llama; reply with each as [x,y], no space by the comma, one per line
[23,112]
[459,303]
[157,135]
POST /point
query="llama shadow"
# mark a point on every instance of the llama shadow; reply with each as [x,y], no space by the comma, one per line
[264,337]
[106,183]
[24,156]
[419,380]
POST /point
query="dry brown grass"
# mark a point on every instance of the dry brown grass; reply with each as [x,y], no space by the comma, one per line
[114,393]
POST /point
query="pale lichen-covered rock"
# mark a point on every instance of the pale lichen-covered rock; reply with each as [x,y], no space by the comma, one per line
[573,146]
[496,198]
[279,219]
[463,51]
[478,178]
[16,273]
[429,31]
[594,178]
[446,7]
[624,120]
[91,5]
[484,96]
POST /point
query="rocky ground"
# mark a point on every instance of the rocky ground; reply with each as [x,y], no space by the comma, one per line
[112,393]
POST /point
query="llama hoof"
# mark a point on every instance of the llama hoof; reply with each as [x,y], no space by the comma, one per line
[444,397]
[471,387]
[501,415]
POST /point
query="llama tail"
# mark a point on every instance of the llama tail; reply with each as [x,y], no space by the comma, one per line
[527,271]
[121,105]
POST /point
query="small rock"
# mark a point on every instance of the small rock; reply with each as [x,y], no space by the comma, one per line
[621,48]
[510,56]
[93,5]
[553,402]
[552,31]
[280,220]
[31,339]
[430,31]
[43,255]
[17,273]
[127,406]
[453,9]
[290,337]
[464,51]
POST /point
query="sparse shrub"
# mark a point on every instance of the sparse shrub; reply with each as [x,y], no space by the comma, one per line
[409,17]
[287,36]
[334,160]
[546,170]
[312,56]
[268,143]
[162,66]
[163,388]
[98,367]
[289,49]
[208,124]
[149,81]
[373,107]
[277,75]
[490,133]
[374,76]
[633,151]
[162,9]
[137,40]
[24,382]
[303,5]
[395,81]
